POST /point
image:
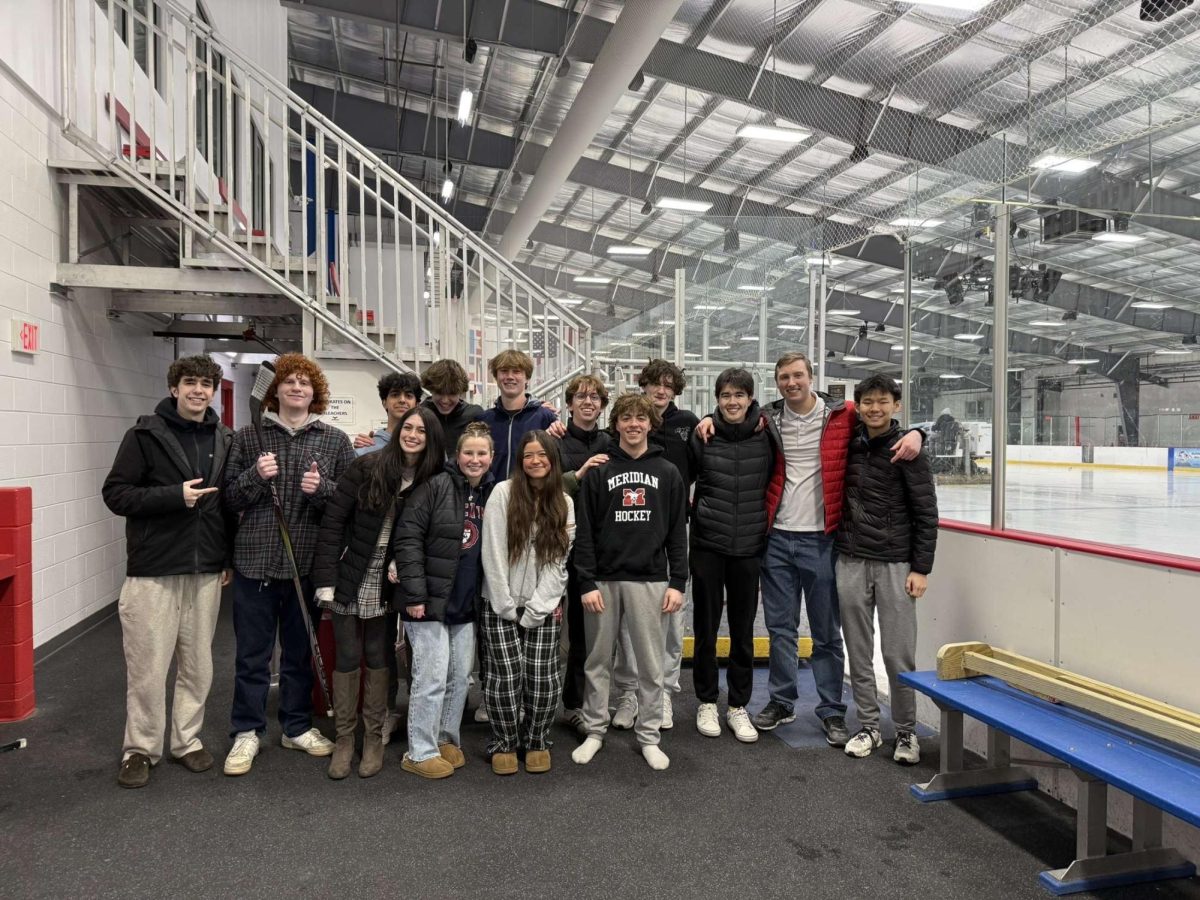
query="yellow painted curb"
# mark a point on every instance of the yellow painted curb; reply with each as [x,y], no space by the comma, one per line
[762,647]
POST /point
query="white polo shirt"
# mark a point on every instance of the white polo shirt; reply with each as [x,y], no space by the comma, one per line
[802,507]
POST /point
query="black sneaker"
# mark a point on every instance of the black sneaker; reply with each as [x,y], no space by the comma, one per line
[836,733]
[135,771]
[772,715]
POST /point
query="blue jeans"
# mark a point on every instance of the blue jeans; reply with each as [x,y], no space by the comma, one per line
[441,661]
[259,609]
[796,562]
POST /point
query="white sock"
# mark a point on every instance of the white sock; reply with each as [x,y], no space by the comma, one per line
[584,752]
[655,757]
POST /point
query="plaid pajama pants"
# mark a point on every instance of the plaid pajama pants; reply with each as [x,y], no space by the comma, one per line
[522,673]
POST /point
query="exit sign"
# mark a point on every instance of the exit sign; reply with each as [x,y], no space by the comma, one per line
[26,336]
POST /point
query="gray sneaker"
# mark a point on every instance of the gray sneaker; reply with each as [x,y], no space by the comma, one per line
[866,742]
[836,733]
[772,716]
[907,751]
[626,713]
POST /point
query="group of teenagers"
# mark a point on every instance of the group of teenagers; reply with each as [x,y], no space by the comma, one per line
[482,530]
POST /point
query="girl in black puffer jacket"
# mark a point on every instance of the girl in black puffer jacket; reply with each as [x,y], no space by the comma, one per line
[349,572]
[439,574]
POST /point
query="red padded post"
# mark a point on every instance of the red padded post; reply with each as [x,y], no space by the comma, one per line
[16,603]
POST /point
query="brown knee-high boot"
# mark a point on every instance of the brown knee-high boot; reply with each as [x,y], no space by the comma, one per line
[345,712]
[374,713]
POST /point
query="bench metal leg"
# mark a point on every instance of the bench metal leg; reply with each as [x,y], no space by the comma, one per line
[952,780]
[1093,869]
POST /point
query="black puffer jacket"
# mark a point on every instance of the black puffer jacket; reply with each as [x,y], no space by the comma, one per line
[348,534]
[890,509]
[729,509]
[673,436]
[578,446]
[162,536]
[429,539]
[455,423]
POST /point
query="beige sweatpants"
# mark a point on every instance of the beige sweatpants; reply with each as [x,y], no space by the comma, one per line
[174,616]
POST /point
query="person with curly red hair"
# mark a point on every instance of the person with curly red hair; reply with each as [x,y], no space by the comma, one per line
[303,458]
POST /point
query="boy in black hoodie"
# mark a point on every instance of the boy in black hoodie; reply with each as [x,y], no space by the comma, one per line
[631,558]
[178,539]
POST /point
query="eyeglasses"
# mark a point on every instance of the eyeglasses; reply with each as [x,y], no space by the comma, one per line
[593,397]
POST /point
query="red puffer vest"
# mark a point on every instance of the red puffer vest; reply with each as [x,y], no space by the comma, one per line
[840,419]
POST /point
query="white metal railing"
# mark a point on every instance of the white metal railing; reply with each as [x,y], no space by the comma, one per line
[262,180]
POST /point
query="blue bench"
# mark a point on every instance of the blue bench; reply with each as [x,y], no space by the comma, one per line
[1161,777]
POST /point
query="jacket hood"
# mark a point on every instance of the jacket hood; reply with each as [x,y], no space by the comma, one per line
[169,413]
[615,452]
[587,437]
[743,430]
[456,473]
[273,418]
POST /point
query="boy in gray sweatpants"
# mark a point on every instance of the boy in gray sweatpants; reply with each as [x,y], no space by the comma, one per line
[631,558]
[885,544]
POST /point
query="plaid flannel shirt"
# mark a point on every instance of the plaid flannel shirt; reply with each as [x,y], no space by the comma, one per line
[258,549]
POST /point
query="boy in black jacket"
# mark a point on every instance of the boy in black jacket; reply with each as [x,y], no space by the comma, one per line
[631,557]
[177,536]
[885,545]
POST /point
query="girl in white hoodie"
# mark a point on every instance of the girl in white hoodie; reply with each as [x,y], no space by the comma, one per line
[528,527]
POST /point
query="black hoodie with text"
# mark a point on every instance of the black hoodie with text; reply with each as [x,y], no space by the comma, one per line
[631,521]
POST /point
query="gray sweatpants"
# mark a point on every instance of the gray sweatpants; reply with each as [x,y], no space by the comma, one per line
[639,605]
[865,587]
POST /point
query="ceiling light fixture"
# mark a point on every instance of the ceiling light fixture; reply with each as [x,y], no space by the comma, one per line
[965,336]
[780,133]
[848,313]
[753,287]
[848,358]
[913,222]
[708,306]
[569,301]
[1083,361]
[683,204]
[447,189]
[1150,304]
[629,250]
[464,106]
[592,279]
[791,327]
[897,346]
[718,346]
[968,5]
[950,376]
[1117,237]
[1048,323]
[647,207]
[644,334]
[1172,351]
[748,337]
[1057,163]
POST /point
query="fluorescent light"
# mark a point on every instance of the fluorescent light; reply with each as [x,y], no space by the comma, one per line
[747,337]
[718,346]
[666,321]
[629,250]
[1048,323]
[592,279]
[708,306]
[1083,361]
[464,106]
[693,355]
[447,189]
[1058,163]
[1168,351]
[854,359]
[568,301]
[968,5]
[684,205]
[843,312]
[791,327]
[897,346]
[1117,237]
[1017,369]
[753,287]
[619,344]
[772,133]
[950,376]
[912,222]
[968,337]
[644,334]
[1150,304]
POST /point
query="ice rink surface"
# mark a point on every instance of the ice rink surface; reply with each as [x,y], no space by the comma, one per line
[1154,510]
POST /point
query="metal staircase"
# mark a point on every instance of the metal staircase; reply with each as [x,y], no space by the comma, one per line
[246,208]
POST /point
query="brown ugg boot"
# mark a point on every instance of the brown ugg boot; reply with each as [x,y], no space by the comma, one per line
[345,713]
[374,714]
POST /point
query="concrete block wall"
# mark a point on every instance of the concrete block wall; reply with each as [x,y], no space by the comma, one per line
[62,411]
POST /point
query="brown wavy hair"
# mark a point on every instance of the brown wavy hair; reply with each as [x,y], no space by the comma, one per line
[299,364]
[537,511]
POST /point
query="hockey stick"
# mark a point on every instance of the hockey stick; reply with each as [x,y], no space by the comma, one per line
[262,383]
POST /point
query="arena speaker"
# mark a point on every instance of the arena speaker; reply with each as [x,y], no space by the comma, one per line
[1157,10]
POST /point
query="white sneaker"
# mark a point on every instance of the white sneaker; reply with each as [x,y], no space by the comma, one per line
[241,757]
[739,724]
[864,743]
[311,742]
[481,714]
[708,723]
[626,714]
[668,717]
[907,751]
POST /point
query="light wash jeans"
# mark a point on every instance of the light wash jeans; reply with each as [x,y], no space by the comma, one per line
[442,656]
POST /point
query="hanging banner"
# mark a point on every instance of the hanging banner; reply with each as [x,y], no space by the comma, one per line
[1183,458]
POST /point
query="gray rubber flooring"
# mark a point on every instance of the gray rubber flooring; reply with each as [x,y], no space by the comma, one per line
[761,820]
